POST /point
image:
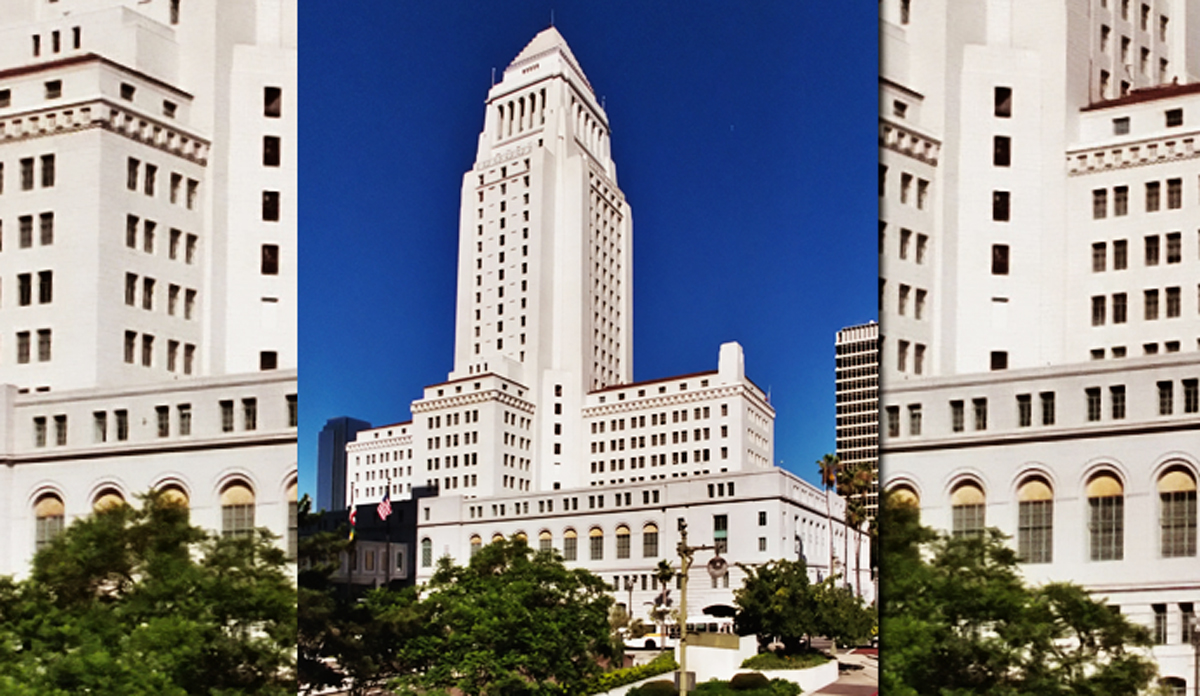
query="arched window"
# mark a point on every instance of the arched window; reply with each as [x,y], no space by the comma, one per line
[520,536]
[1035,524]
[545,541]
[476,544]
[1177,495]
[967,504]
[293,534]
[237,510]
[50,513]
[570,545]
[107,498]
[1106,517]
[649,541]
[622,541]
[904,495]
[175,495]
[1174,686]
[426,553]
[596,539]
[497,537]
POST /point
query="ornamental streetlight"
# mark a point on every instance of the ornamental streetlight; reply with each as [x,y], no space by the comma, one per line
[716,568]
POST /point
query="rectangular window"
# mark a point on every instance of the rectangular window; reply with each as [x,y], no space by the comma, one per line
[272,102]
[172,355]
[903,297]
[1116,395]
[46,227]
[957,416]
[189,304]
[1160,624]
[981,411]
[190,250]
[893,421]
[1174,194]
[147,350]
[1173,302]
[122,417]
[193,190]
[1120,308]
[1098,313]
[1166,398]
[293,411]
[999,360]
[1047,399]
[1099,204]
[46,287]
[597,547]
[131,174]
[54,89]
[1094,406]
[24,289]
[905,186]
[1152,194]
[39,431]
[270,259]
[1151,305]
[1107,527]
[905,238]
[1003,102]
[1000,206]
[47,171]
[902,356]
[270,206]
[1024,410]
[189,355]
[151,177]
[60,430]
[1120,254]
[100,423]
[130,345]
[176,184]
[1001,151]
[1174,247]
[23,338]
[227,416]
[999,259]
[922,194]
[148,227]
[131,231]
[1174,117]
[44,337]
[1151,247]
[914,419]
[1120,200]
[163,414]
[250,414]
[1099,257]
[1035,525]
[25,227]
[271,149]
[1191,396]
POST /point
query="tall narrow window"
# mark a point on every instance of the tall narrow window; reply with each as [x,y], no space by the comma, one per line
[1151,305]
[596,544]
[49,513]
[270,206]
[1099,204]
[237,510]
[272,102]
[980,408]
[622,542]
[1106,523]
[999,259]
[131,174]
[1177,498]
[270,151]
[650,541]
[1094,407]
[1048,416]
[1003,102]
[1120,200]
[1152,194]
[1116,395]
[1120,308]
[1001,151]
[1024,410]
[270,259]
[967,506]
[47,171]
[957,416]
[1174,194]
[570,545]
[1035,525]
[1099,257]
[1120,254]
[1000,206]
[46,225]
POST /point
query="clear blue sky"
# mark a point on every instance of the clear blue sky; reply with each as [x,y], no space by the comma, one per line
[745,138]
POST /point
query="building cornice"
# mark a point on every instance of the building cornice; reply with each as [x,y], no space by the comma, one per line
[1177,147]
[909,142]
[151,449]
[1042,435]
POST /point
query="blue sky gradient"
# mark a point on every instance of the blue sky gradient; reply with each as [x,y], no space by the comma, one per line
[745,140]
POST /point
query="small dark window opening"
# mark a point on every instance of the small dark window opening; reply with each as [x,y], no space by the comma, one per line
[268,360]
[270,151]
[999,360]
[1000,202]
[1001,151]
[270,259]
[54,89]
[272,102]
[999,259]
[270,206]
[1174,117]
[1003,102]
[127,91]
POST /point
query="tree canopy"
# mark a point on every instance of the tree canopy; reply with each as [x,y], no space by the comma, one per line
[957,619]
[138,601]
[777,601]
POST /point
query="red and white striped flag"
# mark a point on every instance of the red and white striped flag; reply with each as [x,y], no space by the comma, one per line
[385,506]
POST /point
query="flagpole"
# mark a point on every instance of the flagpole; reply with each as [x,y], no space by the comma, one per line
[387,525]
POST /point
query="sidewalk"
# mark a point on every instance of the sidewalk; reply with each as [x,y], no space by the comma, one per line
[856,682]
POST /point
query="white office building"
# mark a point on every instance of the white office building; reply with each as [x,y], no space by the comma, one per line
[1040,289]
[857,395]
[539,429]
[147,304]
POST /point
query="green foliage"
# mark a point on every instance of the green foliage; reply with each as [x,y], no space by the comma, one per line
[138,601]
[804,660]
[774,687]
[957,618]
[664,662]
[658,687]
[746,681]
[778,601]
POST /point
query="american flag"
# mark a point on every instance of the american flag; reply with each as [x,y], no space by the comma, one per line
[385,506]
[352,514]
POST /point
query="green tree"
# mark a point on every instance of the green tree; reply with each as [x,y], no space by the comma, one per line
[138,601]
[957,618]
[776,600]
[511,622]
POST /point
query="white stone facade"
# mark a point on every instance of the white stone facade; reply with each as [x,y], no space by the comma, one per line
[1057,399]
[539,428]
[131,264]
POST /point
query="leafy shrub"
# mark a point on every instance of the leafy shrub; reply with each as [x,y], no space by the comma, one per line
[783,687]
[748,680]
[658,687]
[665,662]
[774,661]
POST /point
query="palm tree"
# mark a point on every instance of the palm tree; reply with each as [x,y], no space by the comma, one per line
[663,573]
[856,514]
[828,465]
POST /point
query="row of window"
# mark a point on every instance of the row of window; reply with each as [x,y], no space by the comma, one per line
[1150,305]
[1152,252]
[56,40]
[149,182]
[1153,199]
[1092,396]
[25,286]
[147,357]
[907,197]
[173,294]
[1105,493]
[149,236]
[28,171]
[25,345]
[25,236]
[918,357]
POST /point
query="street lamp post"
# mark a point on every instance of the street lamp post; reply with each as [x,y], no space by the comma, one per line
[685,561]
